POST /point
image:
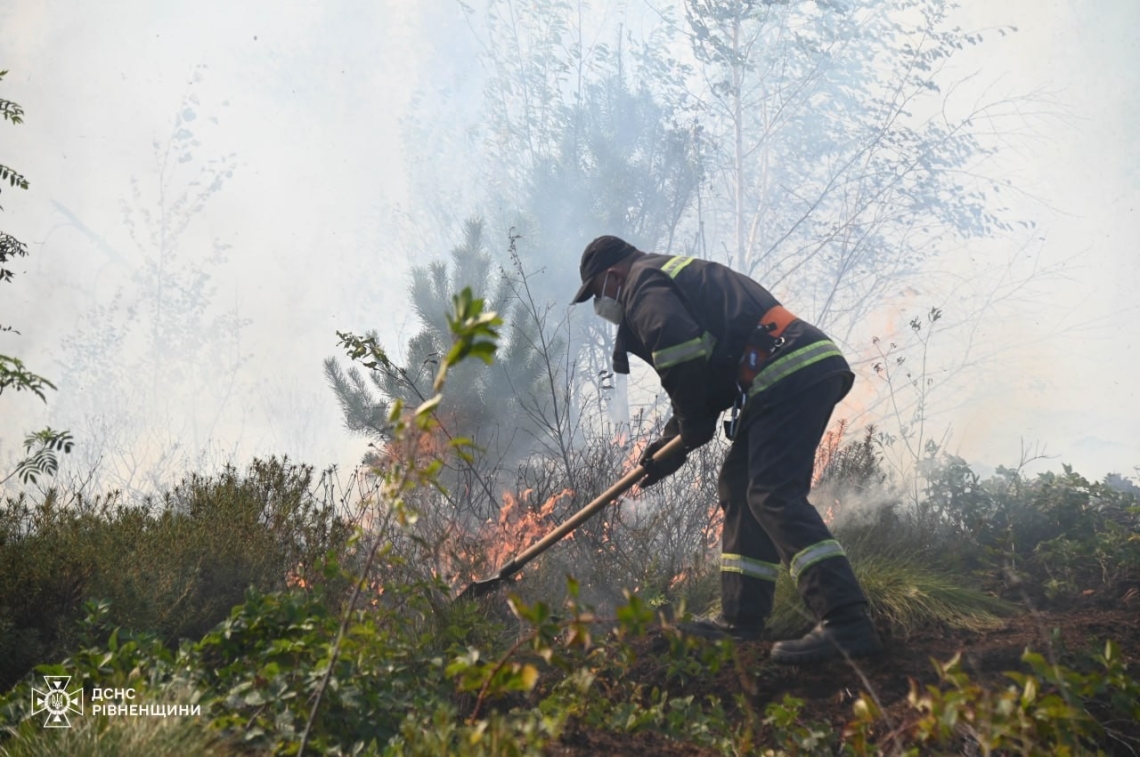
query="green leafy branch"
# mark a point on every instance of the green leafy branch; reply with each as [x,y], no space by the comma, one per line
[474,333]
[1046,710]
[13,177]
[10,249]
[13,375]
[41,449]
[566,642]
[48,444]
[364,350]
[493,678]
[13,113]
[9,110]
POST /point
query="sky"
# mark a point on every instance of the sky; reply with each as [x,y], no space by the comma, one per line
[303,103]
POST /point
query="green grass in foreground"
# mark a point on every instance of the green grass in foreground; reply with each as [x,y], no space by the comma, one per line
[104,737]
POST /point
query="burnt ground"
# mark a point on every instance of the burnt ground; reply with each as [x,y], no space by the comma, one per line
[1069,635]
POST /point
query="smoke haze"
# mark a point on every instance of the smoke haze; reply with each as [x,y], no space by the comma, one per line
[301,156]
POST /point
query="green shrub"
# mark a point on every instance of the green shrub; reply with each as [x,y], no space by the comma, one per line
[255,674]
[1108,558]
[1049,710]
[174,567]
[260,668]
[584,668]
[406,684]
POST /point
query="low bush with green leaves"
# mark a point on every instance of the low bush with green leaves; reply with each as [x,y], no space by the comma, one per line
[1052,536]
[416,688]
[174,566]
[254,675]
[1049,709]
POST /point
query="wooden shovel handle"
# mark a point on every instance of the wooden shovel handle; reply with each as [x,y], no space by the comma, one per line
[609,495]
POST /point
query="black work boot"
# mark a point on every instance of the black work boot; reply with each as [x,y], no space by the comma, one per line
[719,627]
[845,632]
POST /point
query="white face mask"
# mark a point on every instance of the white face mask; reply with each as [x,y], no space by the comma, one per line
[608,307]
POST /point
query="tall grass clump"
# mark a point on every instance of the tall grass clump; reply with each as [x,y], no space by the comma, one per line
[140,737]
[905,592]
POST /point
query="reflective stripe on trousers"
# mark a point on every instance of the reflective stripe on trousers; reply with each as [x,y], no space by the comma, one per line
[809,556]
[747,566]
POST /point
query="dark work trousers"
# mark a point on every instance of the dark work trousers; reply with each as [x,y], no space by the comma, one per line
[768,521]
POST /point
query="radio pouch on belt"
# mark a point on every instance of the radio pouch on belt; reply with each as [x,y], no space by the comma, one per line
[760,345]
[764,341]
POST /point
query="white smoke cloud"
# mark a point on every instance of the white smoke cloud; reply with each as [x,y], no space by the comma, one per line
[312,97]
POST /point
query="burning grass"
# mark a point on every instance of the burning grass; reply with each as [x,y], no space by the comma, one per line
[520,524]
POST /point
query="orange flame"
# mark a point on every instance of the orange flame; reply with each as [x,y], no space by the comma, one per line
[829,516]
[418,445]
[828,448]
[712,528]
[633,459]
[520,524]
[294,579]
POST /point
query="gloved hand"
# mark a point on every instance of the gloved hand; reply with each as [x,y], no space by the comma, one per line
[662,469]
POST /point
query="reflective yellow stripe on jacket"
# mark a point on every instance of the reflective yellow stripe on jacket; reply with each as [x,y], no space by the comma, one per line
[700,347]
[786,365]
[674,266]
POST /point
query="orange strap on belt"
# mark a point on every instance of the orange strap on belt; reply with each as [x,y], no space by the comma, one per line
[777,319]
[756,353]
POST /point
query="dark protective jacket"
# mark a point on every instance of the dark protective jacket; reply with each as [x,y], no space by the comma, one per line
[690,320]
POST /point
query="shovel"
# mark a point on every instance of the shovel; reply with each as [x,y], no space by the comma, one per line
[488,585]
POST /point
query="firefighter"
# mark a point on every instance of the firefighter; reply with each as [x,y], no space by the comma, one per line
[720,341]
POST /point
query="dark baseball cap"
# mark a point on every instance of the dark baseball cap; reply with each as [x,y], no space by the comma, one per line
[599,255]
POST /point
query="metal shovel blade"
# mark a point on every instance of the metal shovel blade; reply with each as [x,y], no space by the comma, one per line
[482,588]
[507,572]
